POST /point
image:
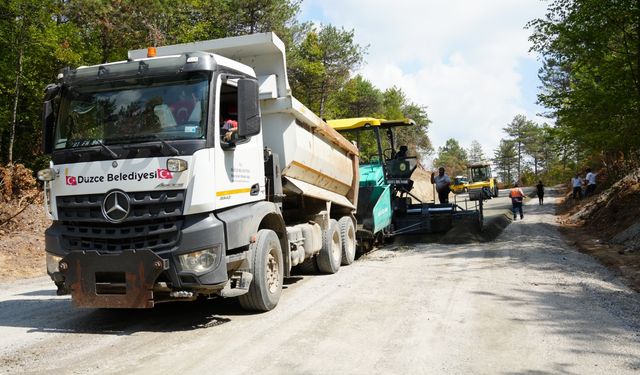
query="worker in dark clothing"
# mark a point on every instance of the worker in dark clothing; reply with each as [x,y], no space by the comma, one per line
[443,183]
[540,190]
[402,153]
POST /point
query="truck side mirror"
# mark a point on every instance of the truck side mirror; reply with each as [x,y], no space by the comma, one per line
[248,108]
[49,117]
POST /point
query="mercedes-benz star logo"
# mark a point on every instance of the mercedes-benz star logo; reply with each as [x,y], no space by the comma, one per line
[116,206]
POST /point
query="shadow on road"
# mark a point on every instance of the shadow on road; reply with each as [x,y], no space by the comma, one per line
[58,315]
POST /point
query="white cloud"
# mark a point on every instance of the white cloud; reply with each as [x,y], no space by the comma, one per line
[464,60]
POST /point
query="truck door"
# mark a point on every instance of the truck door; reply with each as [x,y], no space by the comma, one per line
[238,161]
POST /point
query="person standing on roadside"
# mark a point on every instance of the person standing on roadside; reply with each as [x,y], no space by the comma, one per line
[576,183]
[591,183]
[443,183]
[517,196]
[540,190]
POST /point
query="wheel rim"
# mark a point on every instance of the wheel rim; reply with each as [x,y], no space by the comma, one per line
[335,246]
[273,272]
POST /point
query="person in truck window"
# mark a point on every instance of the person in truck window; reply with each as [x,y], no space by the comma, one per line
[229,123]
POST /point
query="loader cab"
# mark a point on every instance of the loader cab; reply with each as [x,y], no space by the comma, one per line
[382,160]
[481,177]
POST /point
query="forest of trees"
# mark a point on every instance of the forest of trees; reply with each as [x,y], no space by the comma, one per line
[40,37]
[590,78]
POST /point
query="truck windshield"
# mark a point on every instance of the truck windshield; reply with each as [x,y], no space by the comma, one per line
[133,110]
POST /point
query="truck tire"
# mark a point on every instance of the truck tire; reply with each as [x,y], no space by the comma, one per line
[268,272]
[348,238]
[331,253]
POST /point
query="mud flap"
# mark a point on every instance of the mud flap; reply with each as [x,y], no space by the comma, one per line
[123,280]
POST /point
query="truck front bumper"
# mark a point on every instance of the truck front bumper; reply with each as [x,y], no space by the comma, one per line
[129,278]
[123,280]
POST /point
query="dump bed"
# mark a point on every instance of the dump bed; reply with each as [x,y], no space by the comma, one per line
[315,160]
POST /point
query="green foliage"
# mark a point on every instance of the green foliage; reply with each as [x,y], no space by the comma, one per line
[28,41]
[357,98]
[591,74]
[452,157]
[321,63]
[505,158]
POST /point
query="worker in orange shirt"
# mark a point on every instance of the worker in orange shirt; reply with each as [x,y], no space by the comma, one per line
[517,196]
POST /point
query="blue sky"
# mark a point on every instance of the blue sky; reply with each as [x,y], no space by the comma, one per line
[468,61]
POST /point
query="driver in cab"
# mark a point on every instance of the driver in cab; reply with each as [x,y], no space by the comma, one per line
[229,123]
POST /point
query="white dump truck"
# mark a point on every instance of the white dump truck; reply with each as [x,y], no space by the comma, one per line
[190,170]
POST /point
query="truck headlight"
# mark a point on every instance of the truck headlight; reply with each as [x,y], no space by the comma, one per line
[201,260]
[177,165]
[52,263]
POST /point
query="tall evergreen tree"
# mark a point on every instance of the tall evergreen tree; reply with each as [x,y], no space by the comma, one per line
[321,64]
[475,151]
[452,157]
[505,160]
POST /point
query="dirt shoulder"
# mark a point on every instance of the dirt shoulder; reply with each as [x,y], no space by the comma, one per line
[22,245]
[22,224]
[607,227]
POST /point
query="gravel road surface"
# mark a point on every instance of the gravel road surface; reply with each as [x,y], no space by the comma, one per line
[526,303]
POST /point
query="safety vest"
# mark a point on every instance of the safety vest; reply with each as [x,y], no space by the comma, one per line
[516,195]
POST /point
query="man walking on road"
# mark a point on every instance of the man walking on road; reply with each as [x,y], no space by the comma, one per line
[540,191]
[442,182]
[517,196]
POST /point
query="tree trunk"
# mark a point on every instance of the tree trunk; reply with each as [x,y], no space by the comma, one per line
[14,116]
[322,99]
[519,160]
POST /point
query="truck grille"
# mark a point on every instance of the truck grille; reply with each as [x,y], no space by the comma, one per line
[145,205]
[154,222]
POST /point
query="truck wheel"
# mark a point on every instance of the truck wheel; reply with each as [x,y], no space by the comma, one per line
[266,287]
[348,238]
[331,252]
